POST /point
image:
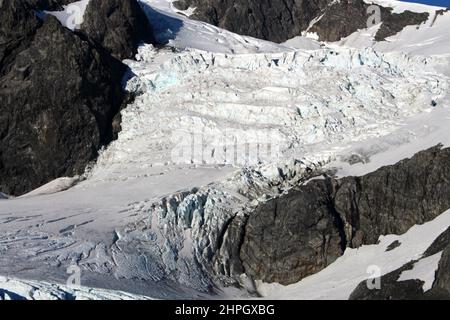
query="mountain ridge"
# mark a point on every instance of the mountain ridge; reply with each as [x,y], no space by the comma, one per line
[281,20]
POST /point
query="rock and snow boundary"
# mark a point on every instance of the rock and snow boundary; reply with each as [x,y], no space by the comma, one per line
[338,281]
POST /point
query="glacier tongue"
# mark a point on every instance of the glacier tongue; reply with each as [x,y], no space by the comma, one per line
[312,103]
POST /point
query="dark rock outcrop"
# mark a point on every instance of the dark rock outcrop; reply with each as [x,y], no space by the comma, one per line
[343,18]
[394,198]
[57,104]
[281,20]
[60,92]
[396,22]
[52,5]
[18,25]
[301,232]
[293,237]
[392,289]
[119,26]
[441,286]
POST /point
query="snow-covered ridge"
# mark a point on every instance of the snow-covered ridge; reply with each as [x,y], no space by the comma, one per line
[424,270]
[57,185]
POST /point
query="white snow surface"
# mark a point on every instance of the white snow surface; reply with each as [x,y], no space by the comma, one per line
[402,6]
[57,185]
[142,217]
[424,270]
[415,134]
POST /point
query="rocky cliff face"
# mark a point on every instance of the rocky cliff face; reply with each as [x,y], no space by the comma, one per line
[292,237]
[301,232]
[59,91]
[118,26]
[394,198]
[281,20]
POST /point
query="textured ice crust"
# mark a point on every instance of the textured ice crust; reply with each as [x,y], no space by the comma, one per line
[299,102]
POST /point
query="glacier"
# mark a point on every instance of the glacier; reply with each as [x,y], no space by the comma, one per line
[147,220]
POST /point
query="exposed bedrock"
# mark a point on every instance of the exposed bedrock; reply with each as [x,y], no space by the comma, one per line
[60,92]
[394,198]
[302,231]
[292,237]
[281,20]
[118,26]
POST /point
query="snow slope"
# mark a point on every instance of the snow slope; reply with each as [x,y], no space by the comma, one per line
[150,209]
[57,185]
[416,134]
[72,15]
[402,6]
[424,270]
[429,38]
[177,30]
